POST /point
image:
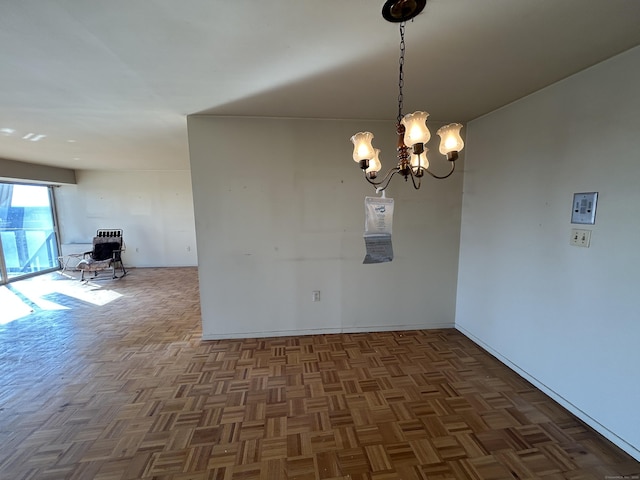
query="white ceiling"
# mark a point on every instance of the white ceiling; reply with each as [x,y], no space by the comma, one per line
[110,83]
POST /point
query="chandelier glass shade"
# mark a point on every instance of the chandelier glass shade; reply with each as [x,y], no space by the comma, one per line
[413,133]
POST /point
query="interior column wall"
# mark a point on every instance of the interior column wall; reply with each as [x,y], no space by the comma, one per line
[281,214]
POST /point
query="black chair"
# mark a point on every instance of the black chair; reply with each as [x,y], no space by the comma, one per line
[108,246]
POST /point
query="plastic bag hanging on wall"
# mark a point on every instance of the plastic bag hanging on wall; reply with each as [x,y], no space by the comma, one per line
[377,229]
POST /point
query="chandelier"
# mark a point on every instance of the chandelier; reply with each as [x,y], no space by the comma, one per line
[412,129]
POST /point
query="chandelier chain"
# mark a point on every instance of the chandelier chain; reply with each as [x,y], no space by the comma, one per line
[401,72]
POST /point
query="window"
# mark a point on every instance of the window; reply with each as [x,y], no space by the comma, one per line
[28,238]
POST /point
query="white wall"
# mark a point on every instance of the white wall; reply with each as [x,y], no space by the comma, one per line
[283,215]
[154,209]
[567,318]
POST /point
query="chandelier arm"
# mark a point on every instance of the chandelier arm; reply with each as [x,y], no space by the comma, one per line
[453,167]
[385,181]
[413,180]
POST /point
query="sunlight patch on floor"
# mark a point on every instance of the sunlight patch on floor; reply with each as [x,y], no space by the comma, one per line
[89,292]
[12,307]
[36,290]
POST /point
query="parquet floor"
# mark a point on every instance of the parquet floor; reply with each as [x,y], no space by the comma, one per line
[128,390]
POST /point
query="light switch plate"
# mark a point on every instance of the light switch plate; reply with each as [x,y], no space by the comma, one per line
[583,209]
[580,238]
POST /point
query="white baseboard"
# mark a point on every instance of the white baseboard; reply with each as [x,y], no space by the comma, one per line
[324,331]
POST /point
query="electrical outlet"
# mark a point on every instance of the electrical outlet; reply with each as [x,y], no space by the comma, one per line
[580,238]
[315,295]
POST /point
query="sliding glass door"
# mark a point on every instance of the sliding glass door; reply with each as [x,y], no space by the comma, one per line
[28,239]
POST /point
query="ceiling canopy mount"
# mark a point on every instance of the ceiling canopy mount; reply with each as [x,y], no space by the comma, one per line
[398,11]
